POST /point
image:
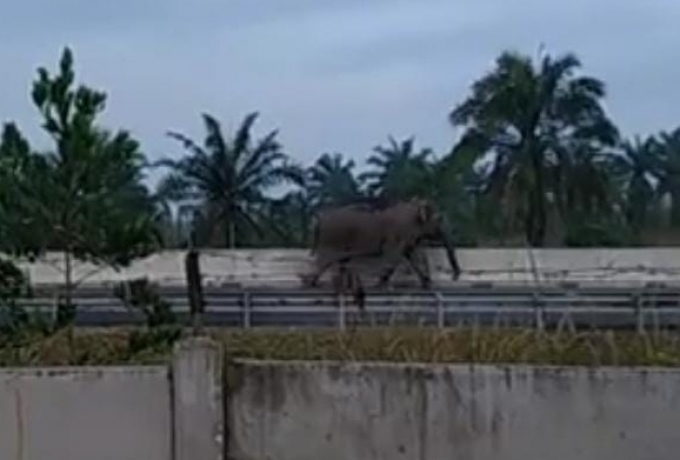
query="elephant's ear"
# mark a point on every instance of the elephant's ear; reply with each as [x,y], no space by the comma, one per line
[425,211]
[422,213]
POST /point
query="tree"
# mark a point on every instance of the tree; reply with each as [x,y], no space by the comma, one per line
[223,181]
[667,145]
[85,197]
[17,167]
[331,182]
[292,214]
[399,172]
[528,116]
[455,184]
[633,169]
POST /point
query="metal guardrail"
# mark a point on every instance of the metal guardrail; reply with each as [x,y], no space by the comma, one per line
[550,305]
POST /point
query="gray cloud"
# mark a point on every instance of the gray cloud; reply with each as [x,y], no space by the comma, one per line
[333,75]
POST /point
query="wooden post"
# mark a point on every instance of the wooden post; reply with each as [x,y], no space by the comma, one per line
[195,290]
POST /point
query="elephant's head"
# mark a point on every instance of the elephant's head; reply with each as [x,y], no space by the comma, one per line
[428,218]
[432,226]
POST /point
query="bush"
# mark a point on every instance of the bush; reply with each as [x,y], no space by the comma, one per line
[143,296]
[16,324]
[161,329]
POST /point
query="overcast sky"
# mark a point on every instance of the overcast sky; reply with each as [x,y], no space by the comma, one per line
[332,75]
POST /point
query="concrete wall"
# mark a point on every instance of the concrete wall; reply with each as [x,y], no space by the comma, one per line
[336,411]
[115,413]
[311,411]
[88,413]
[285,267]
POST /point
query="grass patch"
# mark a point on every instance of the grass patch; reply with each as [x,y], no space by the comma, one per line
[408,344]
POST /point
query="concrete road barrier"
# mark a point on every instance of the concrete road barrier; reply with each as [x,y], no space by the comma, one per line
[171,412]
[378,411]
[336,411]
[286,267]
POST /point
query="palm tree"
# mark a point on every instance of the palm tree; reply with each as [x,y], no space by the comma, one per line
[224,180]
[399,172]
[292,214]
[668,170]
[587,192]
[634,168]
[520,112]
[331,182]
[454,184]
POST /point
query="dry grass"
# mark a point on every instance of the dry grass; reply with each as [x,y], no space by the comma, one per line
[459,345]
[489,345]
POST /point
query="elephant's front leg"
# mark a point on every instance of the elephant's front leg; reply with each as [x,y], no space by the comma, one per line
[425,280]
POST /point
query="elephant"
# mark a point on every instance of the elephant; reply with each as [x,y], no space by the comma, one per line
[356,231]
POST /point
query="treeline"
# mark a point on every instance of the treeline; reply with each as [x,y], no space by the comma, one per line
[539,161]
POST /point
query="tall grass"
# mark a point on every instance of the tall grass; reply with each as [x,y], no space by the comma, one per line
[395,344]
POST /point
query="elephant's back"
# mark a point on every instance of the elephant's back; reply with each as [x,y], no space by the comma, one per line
[346,226]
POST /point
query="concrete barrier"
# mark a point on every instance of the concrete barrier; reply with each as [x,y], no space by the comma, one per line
[171,412]
[336,411]
[361,411]
[285,267]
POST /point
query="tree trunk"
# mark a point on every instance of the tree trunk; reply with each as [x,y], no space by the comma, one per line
[231,232]
[65,315]
[675,208]
[537,200]
[68,277]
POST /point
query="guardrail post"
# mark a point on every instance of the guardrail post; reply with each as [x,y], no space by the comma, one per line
[441,319]
[639,312]
[654,304]
[246,309]
[538,310]
[194,290]
[566,317]
[341,311]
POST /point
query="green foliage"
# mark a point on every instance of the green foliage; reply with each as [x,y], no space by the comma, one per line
[537,120]
[398,172]
[596,234]
[17,325]
[85,197]
[331,182]
[144,297]
[87,194]
[228,178]
[19,234]
[161,328]
[538,159]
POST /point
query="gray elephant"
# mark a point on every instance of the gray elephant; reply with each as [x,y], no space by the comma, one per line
[358,231]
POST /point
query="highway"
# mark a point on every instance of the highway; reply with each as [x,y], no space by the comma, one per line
[551,305]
